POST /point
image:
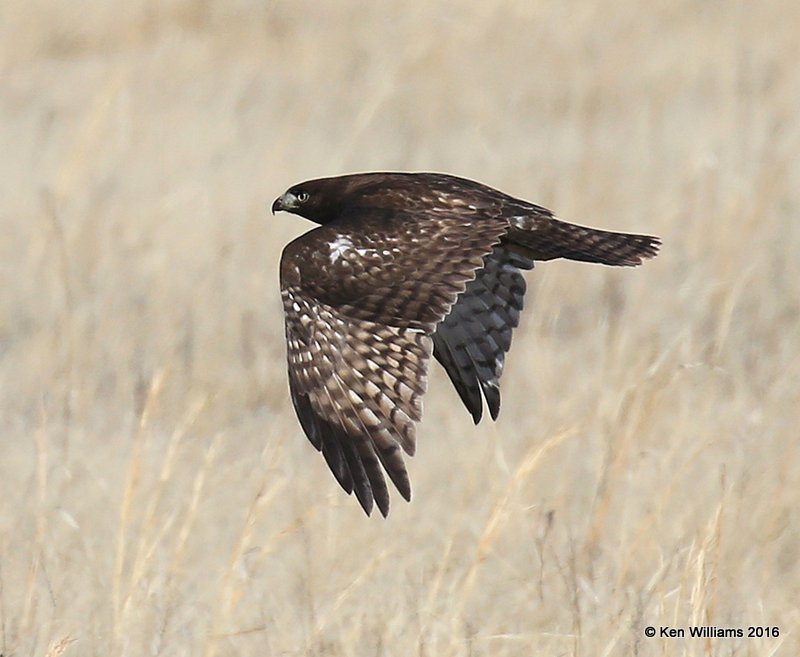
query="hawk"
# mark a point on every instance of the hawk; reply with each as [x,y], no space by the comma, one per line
[401,267]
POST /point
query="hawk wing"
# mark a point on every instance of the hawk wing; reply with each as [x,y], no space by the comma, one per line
[472,341]
[362,297]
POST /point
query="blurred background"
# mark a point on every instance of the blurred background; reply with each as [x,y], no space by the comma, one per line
[157,496]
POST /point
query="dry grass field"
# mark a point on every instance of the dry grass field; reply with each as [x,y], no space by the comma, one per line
[157,496]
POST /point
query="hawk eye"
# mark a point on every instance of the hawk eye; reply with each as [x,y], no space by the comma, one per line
[302,196]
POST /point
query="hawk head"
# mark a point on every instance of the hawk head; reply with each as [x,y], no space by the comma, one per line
[324,199]
[319,200]
[296,199]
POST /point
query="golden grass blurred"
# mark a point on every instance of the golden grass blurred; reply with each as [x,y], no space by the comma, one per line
[158,497]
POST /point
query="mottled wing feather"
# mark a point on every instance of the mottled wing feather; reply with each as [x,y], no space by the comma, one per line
[362,298]
[471,342]
[392,268]
[348,385]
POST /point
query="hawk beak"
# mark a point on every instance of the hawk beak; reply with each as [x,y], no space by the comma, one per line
[287,202]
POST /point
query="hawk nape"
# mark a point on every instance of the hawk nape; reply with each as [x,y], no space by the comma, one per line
[402,266]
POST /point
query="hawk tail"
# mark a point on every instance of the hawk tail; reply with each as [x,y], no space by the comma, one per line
[553,238]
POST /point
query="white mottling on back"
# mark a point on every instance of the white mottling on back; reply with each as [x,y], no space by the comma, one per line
[524,222]
[339,247]
[342,245]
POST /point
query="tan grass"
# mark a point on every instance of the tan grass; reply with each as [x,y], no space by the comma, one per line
[157,496]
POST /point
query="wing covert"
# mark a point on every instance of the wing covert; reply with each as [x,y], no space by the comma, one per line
[397,269]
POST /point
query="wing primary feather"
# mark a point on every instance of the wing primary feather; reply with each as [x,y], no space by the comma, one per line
[352,443]
[366,457]
[372,467]
[324,436]
[335,458]
[305,413]
[391,457]
[361,485]
[463,379]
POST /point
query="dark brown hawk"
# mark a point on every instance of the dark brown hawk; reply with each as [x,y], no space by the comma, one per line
[402,266]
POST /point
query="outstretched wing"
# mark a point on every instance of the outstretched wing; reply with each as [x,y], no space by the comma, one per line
[362,297]
[472,341]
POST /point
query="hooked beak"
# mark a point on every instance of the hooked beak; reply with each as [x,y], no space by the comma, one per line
[286,202]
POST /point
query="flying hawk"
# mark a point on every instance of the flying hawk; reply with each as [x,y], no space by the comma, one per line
[402,266]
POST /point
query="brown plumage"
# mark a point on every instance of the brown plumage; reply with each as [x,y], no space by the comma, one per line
[404,266]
